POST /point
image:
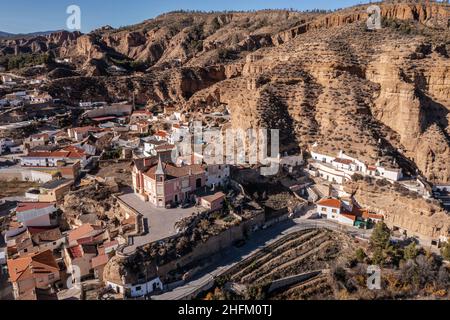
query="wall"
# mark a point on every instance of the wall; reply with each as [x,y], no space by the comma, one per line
[113,110]
[285,282]
[23,174]
[213,245]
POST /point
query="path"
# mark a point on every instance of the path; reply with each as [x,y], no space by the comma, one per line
[258,241]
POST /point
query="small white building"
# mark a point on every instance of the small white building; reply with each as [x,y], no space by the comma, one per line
[36,214]
[329,173]
[137,290]
[335,210]
[322,157]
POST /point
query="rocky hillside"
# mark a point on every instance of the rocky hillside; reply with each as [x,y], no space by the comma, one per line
[322,77]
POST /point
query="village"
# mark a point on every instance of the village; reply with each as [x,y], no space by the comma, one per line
[118,184]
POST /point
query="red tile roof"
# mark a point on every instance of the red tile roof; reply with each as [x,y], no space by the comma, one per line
[343,161]
[349,216]
[332,203]
[75,252]
[100,260]
[214,197]
[162,134]
[85,231]
[142,112]
[26,206]
[173,171]
[32,265]
[86,129]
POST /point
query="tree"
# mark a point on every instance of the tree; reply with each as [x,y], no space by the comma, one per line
[410,252]
[381,235]
[378,257]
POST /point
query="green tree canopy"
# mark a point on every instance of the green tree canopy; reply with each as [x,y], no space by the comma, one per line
[380,238]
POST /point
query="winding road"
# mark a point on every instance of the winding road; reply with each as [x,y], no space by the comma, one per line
[258,241]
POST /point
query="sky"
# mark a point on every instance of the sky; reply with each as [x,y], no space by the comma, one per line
[25,16]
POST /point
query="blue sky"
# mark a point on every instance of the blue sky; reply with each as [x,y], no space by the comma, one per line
[23,16]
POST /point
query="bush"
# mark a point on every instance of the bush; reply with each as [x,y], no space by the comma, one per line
[410,252]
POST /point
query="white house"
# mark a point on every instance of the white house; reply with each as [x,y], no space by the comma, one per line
[150,145]
[390,174]
[36,214]
[335,210]
[137,290]
[329,173]
[322,157]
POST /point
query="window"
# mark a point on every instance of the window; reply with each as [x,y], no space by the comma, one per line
[324,209]
[334,211]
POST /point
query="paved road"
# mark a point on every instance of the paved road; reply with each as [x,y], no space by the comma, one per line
[258,241]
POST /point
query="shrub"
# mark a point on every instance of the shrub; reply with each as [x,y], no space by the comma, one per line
[410,252]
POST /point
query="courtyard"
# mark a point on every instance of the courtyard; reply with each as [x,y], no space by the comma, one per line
[159,223]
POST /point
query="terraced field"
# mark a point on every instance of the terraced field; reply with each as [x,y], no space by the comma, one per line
[316,288]
[293,255]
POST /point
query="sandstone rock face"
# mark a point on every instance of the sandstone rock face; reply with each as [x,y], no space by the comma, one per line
[419,217]
[371,94]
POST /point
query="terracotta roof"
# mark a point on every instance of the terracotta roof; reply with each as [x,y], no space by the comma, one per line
[161,134]
[100,260]
[84,231]
[343,161]
[367,215]
[141,112]
[99,119]
[349,216]
[332,203]
[44,234]
[26,206]
[173,171]
[85,129]
[75,252]
[47,154]
[32,265]
[165,147]
[214,197]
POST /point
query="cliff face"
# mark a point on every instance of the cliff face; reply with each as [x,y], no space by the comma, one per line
[418,216]
[377,95]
